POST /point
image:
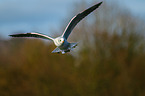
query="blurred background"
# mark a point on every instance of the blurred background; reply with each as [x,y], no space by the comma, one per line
[109,60]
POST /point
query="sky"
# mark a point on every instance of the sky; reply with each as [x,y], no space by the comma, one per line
[135,6]
[20,16]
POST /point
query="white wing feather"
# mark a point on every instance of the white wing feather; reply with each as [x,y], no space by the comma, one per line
[76,19]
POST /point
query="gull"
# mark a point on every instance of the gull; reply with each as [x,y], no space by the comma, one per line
[62,45]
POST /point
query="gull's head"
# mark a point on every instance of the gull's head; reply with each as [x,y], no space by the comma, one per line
[59,41]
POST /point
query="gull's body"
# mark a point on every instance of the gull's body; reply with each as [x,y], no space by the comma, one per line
[61,41]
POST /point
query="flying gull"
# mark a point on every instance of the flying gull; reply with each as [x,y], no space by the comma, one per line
[61,42]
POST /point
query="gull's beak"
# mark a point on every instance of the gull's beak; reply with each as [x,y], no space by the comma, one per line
[62,41]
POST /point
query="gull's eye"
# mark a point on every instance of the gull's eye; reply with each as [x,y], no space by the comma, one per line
[60,40]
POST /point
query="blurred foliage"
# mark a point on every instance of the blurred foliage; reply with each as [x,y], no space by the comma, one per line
[110,61]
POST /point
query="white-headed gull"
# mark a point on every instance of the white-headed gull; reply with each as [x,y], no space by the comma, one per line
[61,42]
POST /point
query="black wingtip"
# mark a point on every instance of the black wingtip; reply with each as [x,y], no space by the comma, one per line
[11,35]
[97,5]
[100,3]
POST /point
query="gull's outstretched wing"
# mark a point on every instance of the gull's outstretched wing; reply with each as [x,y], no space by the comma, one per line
[78,18]
[36,35]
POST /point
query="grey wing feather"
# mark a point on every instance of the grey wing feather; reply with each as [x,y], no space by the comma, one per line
[56,50]
[36,35]
[78,18]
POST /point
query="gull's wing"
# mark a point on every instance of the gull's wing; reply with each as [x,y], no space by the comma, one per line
[36,35]
[78,18]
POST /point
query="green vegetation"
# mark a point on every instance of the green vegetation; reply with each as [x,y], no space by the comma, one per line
[111,62]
